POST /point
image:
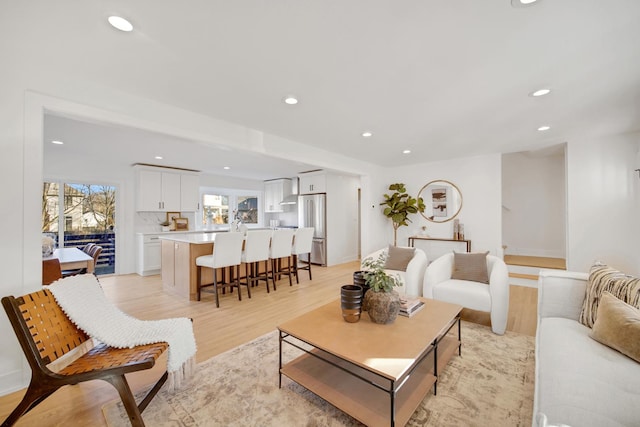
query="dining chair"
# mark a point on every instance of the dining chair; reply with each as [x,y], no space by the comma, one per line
[256,249]
[281,241]
[93,251]
[227,252]
[302,242]
[51,270]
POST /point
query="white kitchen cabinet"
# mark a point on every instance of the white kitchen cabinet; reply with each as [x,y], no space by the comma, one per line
[165,191]
[158,191]
[275,191]
[189,193]
[149,254]
[312,183]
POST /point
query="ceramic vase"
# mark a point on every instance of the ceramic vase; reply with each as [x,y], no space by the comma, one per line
[382,307]
[360,280]
[351,302]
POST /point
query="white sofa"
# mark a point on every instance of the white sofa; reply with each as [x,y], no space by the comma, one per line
[579,382]
[412,278]
[492,298]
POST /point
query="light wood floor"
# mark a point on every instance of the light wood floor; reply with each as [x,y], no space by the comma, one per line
[218,330]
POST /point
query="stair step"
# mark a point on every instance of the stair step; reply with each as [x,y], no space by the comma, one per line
[535,261]
[524,276]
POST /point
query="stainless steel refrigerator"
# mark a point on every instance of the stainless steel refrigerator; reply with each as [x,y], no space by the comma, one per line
[312,212]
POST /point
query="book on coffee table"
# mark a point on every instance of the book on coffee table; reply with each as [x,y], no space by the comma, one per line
[410,308]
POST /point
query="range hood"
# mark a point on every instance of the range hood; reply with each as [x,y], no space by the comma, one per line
[292,198]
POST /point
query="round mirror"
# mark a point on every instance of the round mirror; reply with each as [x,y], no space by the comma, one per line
[442,200]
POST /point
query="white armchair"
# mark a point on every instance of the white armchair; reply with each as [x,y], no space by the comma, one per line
[411,279]
[492,298]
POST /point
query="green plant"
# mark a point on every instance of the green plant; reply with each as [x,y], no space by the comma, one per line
[375,277]
[399,205]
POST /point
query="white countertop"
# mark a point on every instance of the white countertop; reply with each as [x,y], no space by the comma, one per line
[198,238]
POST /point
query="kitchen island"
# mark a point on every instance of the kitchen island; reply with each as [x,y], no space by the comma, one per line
[178,265]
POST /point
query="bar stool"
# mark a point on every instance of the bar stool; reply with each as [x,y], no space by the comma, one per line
[281,241]
[256,249]
[302,242]
[227,252]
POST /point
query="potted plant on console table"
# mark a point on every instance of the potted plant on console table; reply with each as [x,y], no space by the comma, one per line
[381,301]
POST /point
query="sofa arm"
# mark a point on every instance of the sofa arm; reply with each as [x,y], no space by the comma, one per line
[561,293]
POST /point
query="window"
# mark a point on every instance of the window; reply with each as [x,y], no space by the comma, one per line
[219,207]
[85,215]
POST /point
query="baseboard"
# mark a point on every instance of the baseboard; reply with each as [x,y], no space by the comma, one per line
[12,381]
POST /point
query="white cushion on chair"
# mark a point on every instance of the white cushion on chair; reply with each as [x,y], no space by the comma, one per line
[473,295]
[281,241]
[302,241]
[227,251]
[493,298]
[256,246]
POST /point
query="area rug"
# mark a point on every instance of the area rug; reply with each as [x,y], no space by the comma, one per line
[491,384]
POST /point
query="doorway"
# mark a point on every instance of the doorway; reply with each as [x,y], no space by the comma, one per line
[534,207]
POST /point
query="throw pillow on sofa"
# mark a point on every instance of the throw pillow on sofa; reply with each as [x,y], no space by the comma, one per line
[618,326]
[470,266]
[398,258]
[603,278]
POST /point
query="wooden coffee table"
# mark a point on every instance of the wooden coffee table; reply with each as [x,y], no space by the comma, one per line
[378,374]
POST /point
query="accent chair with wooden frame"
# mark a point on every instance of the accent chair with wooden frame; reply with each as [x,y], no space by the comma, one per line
[46,334]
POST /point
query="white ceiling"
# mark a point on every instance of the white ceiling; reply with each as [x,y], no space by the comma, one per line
[441,78]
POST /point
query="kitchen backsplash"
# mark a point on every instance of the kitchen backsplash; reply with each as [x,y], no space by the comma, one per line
[149,222]
[285,218]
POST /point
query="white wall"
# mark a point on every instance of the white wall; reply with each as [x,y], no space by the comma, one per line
[603,193]
[479,181]
[534,204]
[342,218]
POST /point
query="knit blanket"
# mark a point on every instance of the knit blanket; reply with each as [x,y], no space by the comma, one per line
[82,299]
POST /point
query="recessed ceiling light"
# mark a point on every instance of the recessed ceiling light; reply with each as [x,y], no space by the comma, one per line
[57,142]
[158,157]
[367,134]
[522,3]
[540,92]
[226,168]
[543,128]
[406,151]
[120,23]
[291,100]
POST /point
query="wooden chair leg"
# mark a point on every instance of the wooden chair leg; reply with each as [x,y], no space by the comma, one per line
[266,271]
[289,270]
[254,270]
[309,266]
[215,288]
[295,267]
[120,383]
[235,280]
[199,279]
[31,399]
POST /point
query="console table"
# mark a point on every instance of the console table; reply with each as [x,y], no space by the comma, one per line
[435,247]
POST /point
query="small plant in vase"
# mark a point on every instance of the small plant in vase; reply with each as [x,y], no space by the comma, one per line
[381,302]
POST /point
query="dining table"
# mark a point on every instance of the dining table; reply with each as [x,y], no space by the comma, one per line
[72,258]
